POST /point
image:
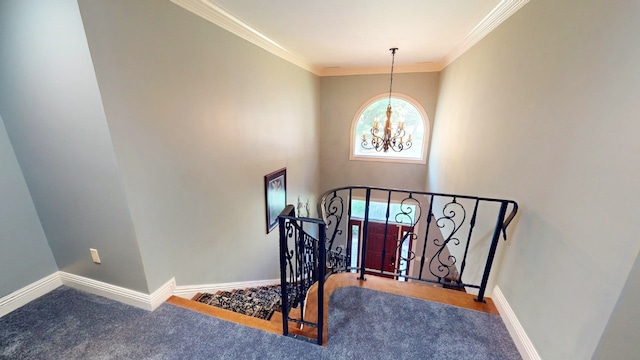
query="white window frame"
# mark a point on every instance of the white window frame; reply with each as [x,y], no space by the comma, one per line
[397,159]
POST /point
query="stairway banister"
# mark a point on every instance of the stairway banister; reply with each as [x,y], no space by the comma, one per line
[506,223]
[306,264]
[443,265]
[363,187]
[331,202]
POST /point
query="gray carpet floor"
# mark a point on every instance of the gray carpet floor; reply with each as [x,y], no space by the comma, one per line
[364,324]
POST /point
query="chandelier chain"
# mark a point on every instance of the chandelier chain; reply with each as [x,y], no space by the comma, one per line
[393,60]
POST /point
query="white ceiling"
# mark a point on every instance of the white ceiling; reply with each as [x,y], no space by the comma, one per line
[331,37]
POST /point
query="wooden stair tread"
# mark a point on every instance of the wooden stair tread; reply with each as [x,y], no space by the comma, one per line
[250,321]
[228,315]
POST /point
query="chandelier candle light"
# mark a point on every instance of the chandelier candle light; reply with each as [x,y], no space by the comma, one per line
[391,137]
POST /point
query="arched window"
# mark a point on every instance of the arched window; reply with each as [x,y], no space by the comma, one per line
[405,109]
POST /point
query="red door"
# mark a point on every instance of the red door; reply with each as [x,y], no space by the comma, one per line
[375,244]
[377,247]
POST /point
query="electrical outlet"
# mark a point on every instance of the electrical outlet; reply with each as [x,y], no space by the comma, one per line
[94,256]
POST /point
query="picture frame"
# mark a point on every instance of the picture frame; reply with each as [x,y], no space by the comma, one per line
[275,196]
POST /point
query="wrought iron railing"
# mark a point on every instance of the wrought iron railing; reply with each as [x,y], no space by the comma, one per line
[302,264]
[414,236]
[406,235]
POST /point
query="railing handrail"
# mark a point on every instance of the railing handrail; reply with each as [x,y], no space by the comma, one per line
[505,224]
[412,192]
[304,219]
[334,204]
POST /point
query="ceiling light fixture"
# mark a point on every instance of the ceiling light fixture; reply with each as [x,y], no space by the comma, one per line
[392,137]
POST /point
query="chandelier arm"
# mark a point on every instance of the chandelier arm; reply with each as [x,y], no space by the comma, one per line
[376,141]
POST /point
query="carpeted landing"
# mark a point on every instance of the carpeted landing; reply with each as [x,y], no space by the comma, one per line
[363,324]
[259,302]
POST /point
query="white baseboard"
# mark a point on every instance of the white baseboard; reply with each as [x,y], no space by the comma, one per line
[29,293]
[162,293]
[130,297]
[519,336]
[189,291]
[117,293]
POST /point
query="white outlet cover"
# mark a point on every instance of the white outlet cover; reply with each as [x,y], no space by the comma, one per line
[94,256]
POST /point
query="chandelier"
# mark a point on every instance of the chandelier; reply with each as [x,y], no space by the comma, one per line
[391,136]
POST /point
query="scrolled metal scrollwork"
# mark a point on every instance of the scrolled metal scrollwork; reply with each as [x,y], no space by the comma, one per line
[289,233]
[307,261]
[336,260]
[409,213]
[407,238]
[301,262]
[406,210]
[333,212]
[453,216]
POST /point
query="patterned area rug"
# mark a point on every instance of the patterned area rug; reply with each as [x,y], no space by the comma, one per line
[260,302]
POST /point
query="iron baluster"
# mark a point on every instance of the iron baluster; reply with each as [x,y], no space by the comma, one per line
[472,224]
[449,217]
[333,217]
[349,231]
[321,279]
[365,233]
[492,251]
[404,213]
[426,238]
[383,259]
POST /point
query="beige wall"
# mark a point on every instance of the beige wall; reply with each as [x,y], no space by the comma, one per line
[198,116]
[620,337]
[53,114]
[544,111]
[25,254]
[341,97]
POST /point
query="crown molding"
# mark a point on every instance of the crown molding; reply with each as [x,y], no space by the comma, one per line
[218,16]
[497,16]
[369,70]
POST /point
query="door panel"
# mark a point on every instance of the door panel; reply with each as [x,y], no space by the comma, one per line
[376,246]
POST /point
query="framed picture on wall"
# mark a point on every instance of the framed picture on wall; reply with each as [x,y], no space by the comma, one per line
[275,196]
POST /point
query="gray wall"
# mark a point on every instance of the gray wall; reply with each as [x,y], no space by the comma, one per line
[544,111]
[620,338]
[24,252]
[341,97]
[198,116]
[52,111]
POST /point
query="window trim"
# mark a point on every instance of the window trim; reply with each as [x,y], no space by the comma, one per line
[426,123]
